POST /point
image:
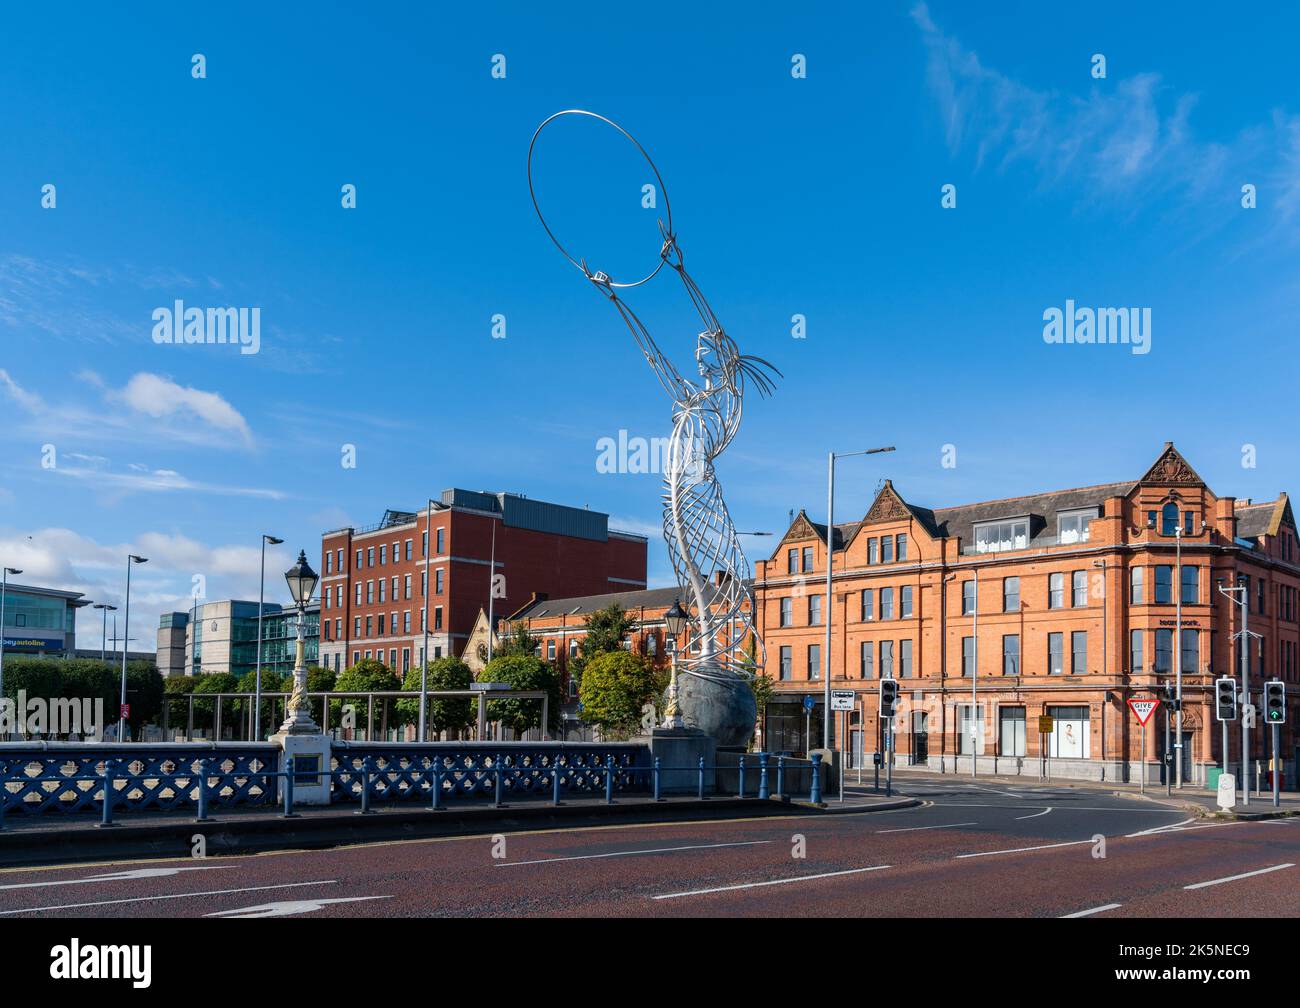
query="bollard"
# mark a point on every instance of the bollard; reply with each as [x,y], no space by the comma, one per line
[741,769]
[496,772]
[289,813]
[107,818]
[780,777]
[655,772]
[609,780]
[555,780]
[815,791]
[203,792]
[701,778]
[762,777]
[365,787]
[435,800]
[4,794]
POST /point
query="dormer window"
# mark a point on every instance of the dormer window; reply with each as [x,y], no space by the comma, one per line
[996,537]
[1072,526]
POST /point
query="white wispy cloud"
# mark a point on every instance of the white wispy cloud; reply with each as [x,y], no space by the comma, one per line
[64,559]
[1130,135]
[149,408]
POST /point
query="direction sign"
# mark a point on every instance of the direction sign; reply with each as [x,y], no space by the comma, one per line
[1143,708]
[842,699]
[808,704]
[1045,724]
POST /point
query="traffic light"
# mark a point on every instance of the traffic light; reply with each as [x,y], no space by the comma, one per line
[1275,702]
[888,698]
[1225,699]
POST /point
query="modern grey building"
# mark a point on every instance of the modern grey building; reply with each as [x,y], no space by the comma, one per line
[41,621]
[222,637]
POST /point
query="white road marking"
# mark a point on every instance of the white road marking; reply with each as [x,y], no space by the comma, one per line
[1159,829]
[1234,878]
[630,853]
[1094,910]
[1022,850]
[148,899]
[913,829]
[1073,808]
[288,908]
[771,882]
[1036,814]
[124,876]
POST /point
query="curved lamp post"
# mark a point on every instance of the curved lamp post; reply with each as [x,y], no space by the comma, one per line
[302,582]
[261,598]
[4,585]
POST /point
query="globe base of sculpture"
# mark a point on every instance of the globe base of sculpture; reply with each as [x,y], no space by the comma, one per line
[721,706]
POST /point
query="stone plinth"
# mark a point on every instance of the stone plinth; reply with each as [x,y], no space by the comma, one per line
[311,754]
[679,751]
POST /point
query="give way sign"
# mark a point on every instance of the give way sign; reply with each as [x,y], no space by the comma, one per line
[1143,708]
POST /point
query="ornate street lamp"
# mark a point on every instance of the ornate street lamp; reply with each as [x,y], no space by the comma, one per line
[675,620]
[302,582]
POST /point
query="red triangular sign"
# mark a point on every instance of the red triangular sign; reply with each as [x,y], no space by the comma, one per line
[1143,708]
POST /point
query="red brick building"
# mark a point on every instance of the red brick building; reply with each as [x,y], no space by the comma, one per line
[1064,603]
[374,585]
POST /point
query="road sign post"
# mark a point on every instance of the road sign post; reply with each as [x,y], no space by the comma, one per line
[1143,707]
[1046,725]
[843,700]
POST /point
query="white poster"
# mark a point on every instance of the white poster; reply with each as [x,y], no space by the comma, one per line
[1070,736]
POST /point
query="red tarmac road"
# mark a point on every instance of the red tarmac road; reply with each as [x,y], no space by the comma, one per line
[972,850]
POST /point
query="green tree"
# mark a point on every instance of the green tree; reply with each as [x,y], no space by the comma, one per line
[606,629]
[205,710]
[366,676]
[615,686]
[449,714]
[523,673]
[518,642]
[175,690]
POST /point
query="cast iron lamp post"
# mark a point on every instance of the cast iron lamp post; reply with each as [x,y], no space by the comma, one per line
[302,582]
[675,620]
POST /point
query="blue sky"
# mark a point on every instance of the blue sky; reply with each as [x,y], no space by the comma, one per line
[817,196]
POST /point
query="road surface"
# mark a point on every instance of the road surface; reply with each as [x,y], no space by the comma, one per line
[973,849]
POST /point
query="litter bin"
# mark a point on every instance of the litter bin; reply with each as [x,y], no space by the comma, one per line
[1212,776]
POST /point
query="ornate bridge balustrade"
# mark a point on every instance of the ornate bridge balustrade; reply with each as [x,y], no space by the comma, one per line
[56,777]
[467,770]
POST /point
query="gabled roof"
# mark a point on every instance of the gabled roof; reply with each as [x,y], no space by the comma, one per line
[1171,469]
[1264,518]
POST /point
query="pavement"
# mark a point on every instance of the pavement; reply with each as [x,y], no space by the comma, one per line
[963,848]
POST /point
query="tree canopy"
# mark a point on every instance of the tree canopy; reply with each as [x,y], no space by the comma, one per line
[523,673]
[616,685]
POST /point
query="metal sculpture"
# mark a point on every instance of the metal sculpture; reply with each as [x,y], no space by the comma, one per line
[710,565]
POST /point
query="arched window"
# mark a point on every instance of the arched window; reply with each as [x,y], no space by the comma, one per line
[1169,519]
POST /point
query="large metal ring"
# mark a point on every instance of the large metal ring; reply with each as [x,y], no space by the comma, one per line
[667,227]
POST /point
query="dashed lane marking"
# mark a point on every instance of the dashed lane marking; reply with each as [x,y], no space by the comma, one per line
[1234,878]
[913,829]
[1094,910]
[771,882]
[167,896]
[631,853]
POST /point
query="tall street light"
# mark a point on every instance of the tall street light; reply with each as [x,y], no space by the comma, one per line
[830,563]
[126,632]
[4,585]
[103,642]
[424,654]
[261,595]
[302,582]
